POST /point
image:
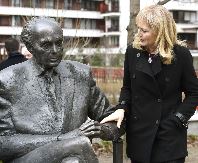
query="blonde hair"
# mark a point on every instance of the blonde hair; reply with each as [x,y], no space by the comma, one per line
[163,25]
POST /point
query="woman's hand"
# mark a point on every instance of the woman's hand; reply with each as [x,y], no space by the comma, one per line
[118,116]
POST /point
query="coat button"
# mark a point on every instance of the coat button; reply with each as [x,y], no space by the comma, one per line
[159,100]
[133,76]
[167,79]
[135,117]
[157,122]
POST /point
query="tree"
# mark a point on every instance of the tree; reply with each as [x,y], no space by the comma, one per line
[162,2]
[132,28]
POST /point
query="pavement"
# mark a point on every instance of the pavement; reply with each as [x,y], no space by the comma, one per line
[192,155]
[193,128]
[193,125]
[192,151]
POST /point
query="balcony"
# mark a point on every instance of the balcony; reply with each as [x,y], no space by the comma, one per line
[187,28]
[8,30]
[182,6]
[49,12]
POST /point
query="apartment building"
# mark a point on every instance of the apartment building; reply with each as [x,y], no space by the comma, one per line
[185,14]
[93,26]
[88,25]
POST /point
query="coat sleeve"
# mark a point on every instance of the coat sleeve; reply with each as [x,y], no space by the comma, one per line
[189,86]
[125,94]
[6,125]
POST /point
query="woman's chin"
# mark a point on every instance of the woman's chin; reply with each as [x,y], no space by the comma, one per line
[143,44]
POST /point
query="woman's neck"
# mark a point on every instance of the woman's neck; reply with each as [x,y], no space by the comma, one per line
[152,50]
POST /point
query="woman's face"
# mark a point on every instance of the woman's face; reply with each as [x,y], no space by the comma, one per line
[146,35]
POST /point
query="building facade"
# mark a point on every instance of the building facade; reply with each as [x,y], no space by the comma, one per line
[88,25]
[185,14]
[93,26]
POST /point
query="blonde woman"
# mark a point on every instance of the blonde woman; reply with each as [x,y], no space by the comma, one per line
[158,68]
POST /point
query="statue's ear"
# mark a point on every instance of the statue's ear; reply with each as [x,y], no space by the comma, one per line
[26,39]
[30,48]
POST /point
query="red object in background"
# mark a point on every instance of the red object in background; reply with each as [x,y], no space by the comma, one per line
[106,73]
[103,7]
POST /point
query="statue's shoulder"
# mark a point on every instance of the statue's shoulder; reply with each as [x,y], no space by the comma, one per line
[13,70]
[75,67]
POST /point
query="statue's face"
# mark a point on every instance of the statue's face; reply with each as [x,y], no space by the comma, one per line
[47,44]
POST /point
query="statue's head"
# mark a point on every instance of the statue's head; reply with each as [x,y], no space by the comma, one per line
[43,37]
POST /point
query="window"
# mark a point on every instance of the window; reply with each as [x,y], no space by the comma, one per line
[184,16]
[93,24]
[16,20]
[35,3]
[4,3]
[82,24]
[189,16]
[87,24]
[195,63]
[68,23]
[193,17]
[93,6]
[114,41]
[5,21]
[190,38]
[114,25]
[68,4]
[50,4]
[87,5]
[17,3]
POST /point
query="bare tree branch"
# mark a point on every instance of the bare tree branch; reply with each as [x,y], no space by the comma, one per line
[162,2]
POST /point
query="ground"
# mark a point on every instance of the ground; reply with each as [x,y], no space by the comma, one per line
[192,153]
[192,158]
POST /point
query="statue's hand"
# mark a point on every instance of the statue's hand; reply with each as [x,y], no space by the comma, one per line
[91,129]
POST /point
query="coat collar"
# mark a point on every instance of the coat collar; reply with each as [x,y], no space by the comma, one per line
[144,66]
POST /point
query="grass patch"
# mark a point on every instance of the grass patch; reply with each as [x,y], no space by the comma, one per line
[192,139]
[111,89]
[103,147]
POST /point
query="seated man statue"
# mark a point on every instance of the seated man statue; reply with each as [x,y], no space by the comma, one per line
[45,103]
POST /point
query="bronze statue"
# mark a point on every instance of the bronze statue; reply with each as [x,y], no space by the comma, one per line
[45,103]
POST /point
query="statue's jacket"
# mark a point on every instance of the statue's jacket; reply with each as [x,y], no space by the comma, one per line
[26,108]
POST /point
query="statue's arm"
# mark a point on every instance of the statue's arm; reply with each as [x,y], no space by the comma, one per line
[19,144]
[100,108]
[14,144]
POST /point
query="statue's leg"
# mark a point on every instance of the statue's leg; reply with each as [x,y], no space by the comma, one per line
[78,150]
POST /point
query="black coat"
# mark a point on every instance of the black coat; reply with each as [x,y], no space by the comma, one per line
[13,58]
[153,93]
